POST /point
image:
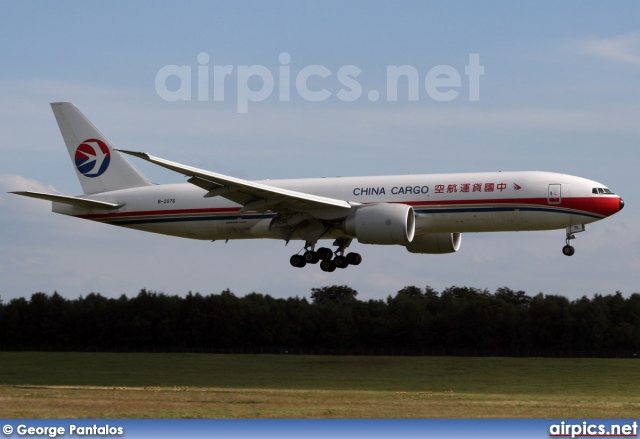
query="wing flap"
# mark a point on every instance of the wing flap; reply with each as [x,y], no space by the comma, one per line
[80,202]
[204,184]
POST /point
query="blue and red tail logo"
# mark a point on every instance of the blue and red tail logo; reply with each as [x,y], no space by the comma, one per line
[92,158]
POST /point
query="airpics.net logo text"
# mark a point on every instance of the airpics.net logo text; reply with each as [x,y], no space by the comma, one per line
[313,83]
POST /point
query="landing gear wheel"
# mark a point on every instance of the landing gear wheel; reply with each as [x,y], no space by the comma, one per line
[328,266]
[297,261]
[324,253]
[568,250]
[341,261]
[354,258]
[311,257]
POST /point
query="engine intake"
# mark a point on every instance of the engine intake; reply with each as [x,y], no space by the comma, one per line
[382,223]
[435,243]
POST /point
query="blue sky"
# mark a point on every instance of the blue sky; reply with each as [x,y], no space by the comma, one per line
[560,92]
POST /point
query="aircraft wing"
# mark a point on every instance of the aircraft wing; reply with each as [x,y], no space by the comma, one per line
[74,201]
[252,195]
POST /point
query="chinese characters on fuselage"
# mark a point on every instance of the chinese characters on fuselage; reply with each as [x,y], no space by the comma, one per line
[438,189]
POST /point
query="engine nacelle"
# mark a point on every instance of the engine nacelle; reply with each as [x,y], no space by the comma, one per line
[435,243]
[382,223]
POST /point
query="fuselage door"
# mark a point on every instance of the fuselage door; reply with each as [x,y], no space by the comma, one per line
[555,194]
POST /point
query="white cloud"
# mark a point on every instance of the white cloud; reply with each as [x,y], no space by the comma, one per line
[623,48]
[11,183]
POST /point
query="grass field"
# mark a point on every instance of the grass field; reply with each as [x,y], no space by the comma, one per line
[100,385]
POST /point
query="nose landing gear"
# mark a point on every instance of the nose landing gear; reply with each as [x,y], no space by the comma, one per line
[568,249]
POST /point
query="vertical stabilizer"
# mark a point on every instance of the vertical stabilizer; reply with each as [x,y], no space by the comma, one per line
[100,168]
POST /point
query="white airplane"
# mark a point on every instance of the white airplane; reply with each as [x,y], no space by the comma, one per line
[423,213]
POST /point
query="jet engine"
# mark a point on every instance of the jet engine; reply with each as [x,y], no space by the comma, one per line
[382,223]
[435,243]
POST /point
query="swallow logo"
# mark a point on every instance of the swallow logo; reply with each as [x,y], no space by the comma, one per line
[517,186]
[92,158]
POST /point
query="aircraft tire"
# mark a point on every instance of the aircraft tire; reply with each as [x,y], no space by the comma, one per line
[328,266]
[311,257]
[341,261]
[568,250]
[297,261]
[325,253]
[354,258]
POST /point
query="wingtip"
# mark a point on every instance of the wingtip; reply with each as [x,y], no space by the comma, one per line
[142,155]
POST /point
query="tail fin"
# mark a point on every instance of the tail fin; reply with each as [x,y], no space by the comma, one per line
[99,166]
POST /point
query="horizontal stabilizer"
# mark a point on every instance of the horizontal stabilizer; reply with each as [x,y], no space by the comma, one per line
[80,202]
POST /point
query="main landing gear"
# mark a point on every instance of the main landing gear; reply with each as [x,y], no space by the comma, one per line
[568,249]
[329,260]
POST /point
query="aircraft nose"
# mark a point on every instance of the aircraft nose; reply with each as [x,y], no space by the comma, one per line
[621,203]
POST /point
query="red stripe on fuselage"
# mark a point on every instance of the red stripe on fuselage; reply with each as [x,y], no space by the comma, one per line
[605,206]
[95,216]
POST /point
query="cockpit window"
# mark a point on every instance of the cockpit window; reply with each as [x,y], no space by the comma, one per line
[601,190]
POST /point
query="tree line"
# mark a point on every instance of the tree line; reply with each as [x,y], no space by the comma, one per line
[456,321]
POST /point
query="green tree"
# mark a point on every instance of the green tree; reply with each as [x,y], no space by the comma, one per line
[338,294]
